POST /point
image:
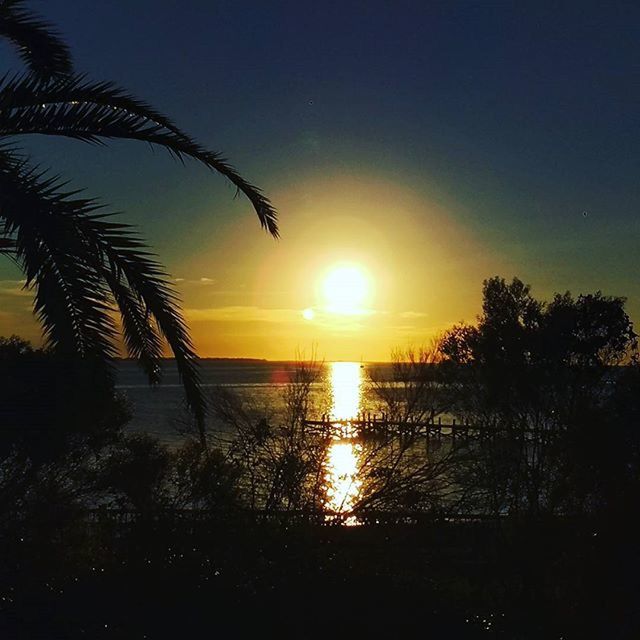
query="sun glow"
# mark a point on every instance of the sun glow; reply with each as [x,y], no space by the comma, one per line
[346,289]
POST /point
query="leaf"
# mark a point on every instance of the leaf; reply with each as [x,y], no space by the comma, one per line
[38,44]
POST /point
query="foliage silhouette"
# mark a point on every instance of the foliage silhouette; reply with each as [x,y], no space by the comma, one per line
[548,378]
[277,460]
[81,262]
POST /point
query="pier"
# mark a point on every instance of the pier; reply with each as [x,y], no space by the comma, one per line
[382,425]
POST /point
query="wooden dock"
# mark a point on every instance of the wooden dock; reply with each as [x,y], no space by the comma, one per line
[382,425]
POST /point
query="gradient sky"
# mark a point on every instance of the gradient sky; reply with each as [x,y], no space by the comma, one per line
[435,144]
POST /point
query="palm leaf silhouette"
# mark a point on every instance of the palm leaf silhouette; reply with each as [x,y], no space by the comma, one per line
[84,265]
[38,44]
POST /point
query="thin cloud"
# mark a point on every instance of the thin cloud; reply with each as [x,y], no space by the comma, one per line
[199,281]
[242,314]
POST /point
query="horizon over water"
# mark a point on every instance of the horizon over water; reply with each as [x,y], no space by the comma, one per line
[158,409]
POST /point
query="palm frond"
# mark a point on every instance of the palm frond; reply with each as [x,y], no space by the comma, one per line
[128,259]
[80,262]
[38,44]
[142,340]
[7,246]
[70,299]
[94,112]
[21,90]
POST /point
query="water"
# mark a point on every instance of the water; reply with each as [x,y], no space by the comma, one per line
[343,455]
[339,392]
[160,410]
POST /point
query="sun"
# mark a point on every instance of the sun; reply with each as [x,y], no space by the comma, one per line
[346,288]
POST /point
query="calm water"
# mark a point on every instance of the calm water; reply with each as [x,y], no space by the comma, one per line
[340,392]
[261,384]
[160,410]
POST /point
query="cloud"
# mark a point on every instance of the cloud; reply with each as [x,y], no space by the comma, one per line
[242,314]
[405,324]
[200,281]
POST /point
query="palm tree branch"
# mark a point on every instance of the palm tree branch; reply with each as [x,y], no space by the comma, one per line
[70,299]
[147,280]
[37,42]
[7,246]
[113,261]
[97,121]
[127,256]
[27,90]
[142,341]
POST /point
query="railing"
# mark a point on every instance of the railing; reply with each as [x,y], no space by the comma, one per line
[381,424]
[258,516]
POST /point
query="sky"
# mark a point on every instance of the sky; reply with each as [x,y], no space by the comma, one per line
[418,147]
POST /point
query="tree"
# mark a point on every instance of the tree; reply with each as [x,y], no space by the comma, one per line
[278,459]
[547,377]
[49,405]
[80,261]
[405,470]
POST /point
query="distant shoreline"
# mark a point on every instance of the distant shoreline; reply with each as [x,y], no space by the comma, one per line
[262,360]
[206,359]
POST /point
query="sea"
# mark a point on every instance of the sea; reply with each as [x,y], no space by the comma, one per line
[340,391]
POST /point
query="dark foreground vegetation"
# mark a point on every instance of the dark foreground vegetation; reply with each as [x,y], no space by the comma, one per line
[169,577]
[528,532]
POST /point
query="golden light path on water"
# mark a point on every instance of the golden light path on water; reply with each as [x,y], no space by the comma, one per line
[343,455]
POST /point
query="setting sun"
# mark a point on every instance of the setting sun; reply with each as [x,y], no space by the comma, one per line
[346,289]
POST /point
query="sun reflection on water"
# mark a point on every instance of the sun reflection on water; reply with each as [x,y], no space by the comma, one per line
[343,455]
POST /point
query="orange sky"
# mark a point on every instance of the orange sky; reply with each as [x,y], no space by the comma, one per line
[423,254]
[247,295]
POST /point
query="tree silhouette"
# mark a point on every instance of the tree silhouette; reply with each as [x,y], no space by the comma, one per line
[548,378]
[80,261]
